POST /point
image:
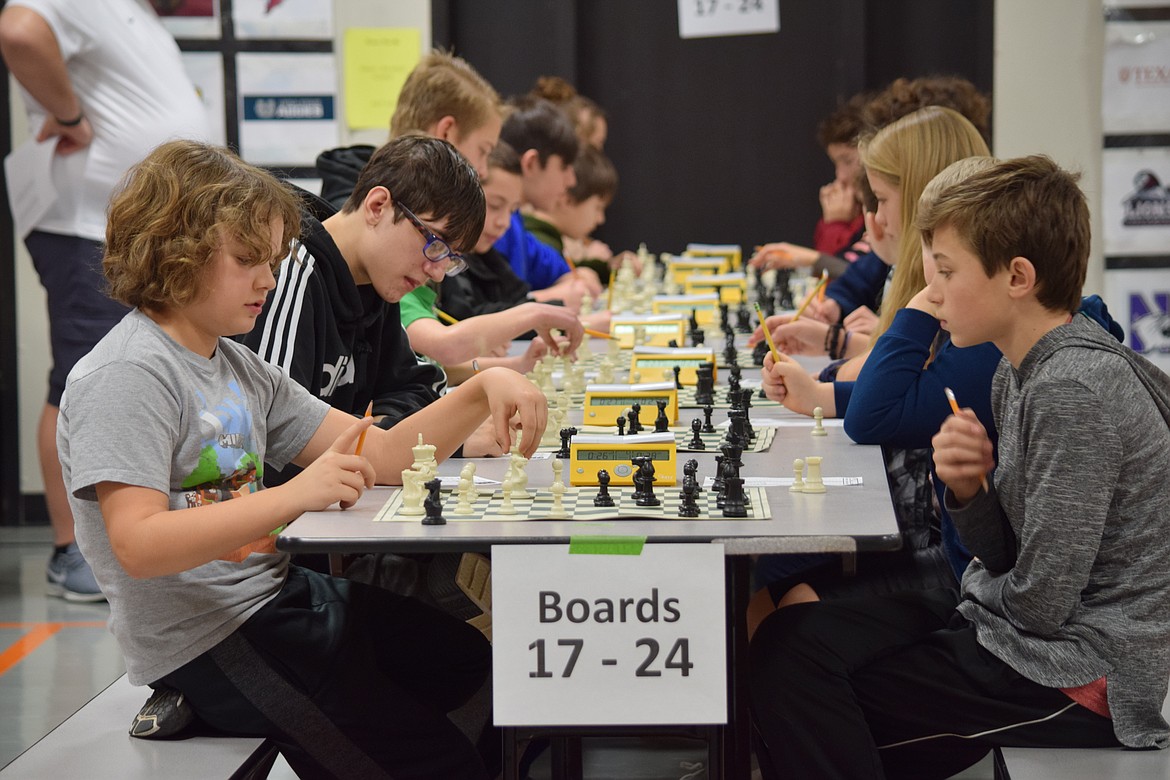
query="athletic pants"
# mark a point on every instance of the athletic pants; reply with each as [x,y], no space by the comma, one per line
[895,686]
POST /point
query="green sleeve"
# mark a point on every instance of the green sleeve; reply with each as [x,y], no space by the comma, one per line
[416,305]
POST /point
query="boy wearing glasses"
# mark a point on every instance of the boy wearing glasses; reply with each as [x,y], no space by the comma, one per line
[331,323]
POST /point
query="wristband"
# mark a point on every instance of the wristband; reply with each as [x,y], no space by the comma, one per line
[71,122]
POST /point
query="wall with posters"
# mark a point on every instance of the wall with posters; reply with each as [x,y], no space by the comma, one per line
[270,77]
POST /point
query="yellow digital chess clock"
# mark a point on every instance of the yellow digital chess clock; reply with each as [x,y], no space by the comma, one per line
[732,287]
[604,403]
[681,268]
[658,329]
[732,252]
[659,362]
[589,453]
[704,305]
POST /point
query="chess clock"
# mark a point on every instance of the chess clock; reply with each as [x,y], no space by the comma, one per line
[659,362]
[590,453]
[658,329]
[679,269]
[731,288]
[705,306]
[604,403]
[732,253]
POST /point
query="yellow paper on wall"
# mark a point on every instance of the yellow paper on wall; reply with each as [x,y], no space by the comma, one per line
[377,62]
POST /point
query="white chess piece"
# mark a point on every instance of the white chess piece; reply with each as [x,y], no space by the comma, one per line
[819,422]
[506,507]
[519,475]
[797,476]
[424,458]
[814,483]
[412,492]
[558,489]
[463,505]
[468,473]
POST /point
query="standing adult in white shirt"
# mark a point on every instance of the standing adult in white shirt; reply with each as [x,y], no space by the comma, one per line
[104,81]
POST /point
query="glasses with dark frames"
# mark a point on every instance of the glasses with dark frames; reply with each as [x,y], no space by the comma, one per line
[436,249]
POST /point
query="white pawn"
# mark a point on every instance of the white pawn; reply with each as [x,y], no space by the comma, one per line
[819,422]
[558,489]
[814,483]
[797,476]
[506,507]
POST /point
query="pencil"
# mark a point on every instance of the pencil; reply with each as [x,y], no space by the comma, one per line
[955,408]
[598,334]
[767,335]
[445,317]
[821,287]
[362,438]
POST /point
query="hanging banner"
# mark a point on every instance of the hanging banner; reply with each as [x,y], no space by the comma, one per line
[1135,201]
[1136,78]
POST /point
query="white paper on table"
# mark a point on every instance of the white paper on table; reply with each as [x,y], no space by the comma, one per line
[28,171]
[800,422]
[451,481]
[787,481]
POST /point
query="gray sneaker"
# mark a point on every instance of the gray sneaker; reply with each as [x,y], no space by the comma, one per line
[69,577]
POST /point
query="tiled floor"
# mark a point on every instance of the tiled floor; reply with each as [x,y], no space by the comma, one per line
[55,656]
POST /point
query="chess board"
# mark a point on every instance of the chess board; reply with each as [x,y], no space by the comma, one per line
[578,505]
[682,437]
[686,399]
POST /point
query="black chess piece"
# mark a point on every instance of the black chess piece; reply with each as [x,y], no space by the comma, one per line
[730,352]
[567,435]
[635,417]
[732,389]
[743,318]
[759,352]
[688,506]
[646,473]
[693,324]
[603,498]
[705,383]
[673,343]
[698,337]
[734,501]
[736,373]
[707,426]
[745,403]
[724,321]
[691,468]
[433,503]
[621,424]
[661,422]
[696,442]
[717,483]
[677,382]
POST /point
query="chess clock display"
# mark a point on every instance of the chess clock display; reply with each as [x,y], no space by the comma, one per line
[704,305]
[731,288]
[658,362]
[655,329]
[605,403]
[590,453]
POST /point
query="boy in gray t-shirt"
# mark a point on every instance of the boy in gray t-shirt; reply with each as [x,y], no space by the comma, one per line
[164,432]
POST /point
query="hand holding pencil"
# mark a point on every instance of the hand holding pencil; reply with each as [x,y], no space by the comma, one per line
[962,452]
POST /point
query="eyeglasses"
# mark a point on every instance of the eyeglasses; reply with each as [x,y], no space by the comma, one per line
[436,249]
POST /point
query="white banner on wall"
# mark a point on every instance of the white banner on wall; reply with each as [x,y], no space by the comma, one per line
[1140,300]
[309,19]
[1135,201]
[205,69]
[288,107]
[1136,78]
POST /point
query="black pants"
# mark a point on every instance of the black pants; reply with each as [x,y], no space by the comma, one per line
[349,680]
[895,686]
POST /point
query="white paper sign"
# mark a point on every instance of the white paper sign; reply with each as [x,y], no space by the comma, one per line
[1135,85]
[1139,299]
[707,18]
[583,639]
[1135,201]
[205,69]
[287,105]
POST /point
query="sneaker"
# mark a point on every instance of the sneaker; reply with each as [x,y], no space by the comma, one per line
[69,577]
[165,714]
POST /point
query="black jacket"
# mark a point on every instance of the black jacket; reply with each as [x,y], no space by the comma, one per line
[339,169]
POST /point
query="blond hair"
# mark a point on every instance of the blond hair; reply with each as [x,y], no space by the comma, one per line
[443,85]
[907,154]
[174,210]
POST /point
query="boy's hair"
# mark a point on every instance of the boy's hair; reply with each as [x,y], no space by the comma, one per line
[1026,207]
[907,154]
[904,96]
[428,176]
[440,85]
[582,112]
[535,123]
[504,157]
[846,123]
[595,176]
[954,173]
[174,209]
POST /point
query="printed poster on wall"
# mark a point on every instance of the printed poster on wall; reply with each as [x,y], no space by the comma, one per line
[205,69]
[1139,299]
[1135,201]
[189,18]
[287,107]
[1136,78]
[304,19]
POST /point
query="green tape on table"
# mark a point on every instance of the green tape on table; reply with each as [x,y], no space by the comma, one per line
[606,545]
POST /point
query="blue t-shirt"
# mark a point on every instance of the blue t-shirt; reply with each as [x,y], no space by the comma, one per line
[536,263]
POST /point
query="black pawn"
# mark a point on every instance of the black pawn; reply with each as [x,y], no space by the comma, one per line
[621,424]
[673,343]
[707,426]
[661,422]
[635,418]
[677,381]
[603,498]
[696,442]
[433,504]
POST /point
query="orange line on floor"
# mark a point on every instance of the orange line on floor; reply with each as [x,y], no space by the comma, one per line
[26,644]
[66,624]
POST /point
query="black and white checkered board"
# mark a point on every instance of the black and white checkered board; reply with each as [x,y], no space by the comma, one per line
[578,505]
[682,438]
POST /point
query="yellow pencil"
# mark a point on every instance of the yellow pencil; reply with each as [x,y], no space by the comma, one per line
[598,334]
[445,317]
[821,287]
[362,438]
[767,335]
[955,408]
